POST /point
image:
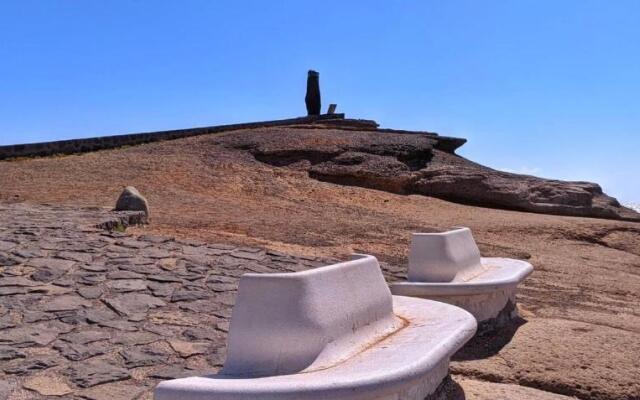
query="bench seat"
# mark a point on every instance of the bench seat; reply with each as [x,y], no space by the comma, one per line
[409,364]
[448,267]
[406,359]
[499,273]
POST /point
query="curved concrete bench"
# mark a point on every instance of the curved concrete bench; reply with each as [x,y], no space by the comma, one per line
[448,267]
[330,333]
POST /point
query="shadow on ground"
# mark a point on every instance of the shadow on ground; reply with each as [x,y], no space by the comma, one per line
[448,390]
[490,343]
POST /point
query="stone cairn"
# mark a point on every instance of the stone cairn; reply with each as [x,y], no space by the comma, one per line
[312,99]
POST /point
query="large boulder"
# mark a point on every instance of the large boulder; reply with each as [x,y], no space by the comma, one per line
[131,200]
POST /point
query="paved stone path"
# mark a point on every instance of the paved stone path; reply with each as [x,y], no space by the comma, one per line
[87,313]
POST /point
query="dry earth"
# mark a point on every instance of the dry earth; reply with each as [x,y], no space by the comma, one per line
[580,332]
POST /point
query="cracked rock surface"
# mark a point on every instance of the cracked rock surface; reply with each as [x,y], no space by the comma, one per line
[120,312]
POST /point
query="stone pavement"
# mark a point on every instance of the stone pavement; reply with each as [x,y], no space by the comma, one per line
[87,313]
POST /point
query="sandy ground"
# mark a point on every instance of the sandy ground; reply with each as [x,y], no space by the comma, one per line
[580,332]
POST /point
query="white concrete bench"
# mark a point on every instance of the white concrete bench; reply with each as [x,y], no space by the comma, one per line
[448,267]
[334,332]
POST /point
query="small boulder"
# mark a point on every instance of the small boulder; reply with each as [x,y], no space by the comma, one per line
[131,200]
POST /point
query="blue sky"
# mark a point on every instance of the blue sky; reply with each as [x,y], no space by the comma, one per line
[544,87]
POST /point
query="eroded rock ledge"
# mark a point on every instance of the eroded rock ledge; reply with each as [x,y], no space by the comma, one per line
[420,163]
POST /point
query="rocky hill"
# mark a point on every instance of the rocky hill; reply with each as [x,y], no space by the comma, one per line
[358,153]
[327,191]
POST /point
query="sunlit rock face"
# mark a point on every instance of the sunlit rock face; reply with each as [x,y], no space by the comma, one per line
[420,163]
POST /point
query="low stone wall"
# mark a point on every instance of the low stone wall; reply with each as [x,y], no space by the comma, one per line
[122,220]
[109,142]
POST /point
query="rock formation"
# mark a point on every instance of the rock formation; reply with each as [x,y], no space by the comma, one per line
[426,164]
[312,99]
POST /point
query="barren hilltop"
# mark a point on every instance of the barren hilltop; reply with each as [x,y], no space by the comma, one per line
[328,189]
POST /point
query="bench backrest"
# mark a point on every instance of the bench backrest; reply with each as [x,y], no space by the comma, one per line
[284,323]
[451,256]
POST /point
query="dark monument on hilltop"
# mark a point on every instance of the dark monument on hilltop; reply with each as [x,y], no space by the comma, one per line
[312,99]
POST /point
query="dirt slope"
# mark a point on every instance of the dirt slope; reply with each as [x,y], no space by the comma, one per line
[580,335]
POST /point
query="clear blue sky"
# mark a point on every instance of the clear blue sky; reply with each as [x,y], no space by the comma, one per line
[545,87]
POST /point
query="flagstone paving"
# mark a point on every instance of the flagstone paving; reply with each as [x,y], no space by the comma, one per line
[87,313]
